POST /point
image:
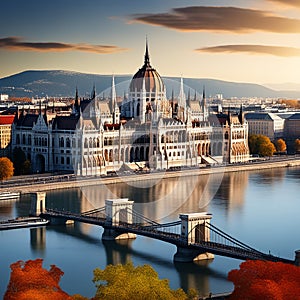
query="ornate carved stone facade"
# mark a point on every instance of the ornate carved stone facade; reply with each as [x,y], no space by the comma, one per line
[146,131]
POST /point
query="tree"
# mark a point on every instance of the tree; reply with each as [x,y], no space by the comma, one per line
[129,282]
[265,280]
[6,168]
[297,145]
[261,144]
[30,280]
[280,145]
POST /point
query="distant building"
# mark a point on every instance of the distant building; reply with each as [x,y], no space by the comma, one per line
[3,97]
[235,137]
[147,131]
[5,134]
[267,124]
[292,128]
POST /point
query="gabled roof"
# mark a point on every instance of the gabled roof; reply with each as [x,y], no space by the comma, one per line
[6,119]
[27,120]
[294,117]
[262,116]
[65,122]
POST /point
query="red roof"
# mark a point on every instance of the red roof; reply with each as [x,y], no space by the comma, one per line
[6,119]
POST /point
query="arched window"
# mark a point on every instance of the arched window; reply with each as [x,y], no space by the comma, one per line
[61,142]
[68,142]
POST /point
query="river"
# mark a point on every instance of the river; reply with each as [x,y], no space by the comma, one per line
[260,208]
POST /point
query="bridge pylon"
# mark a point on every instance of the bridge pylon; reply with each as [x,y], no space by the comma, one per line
[118,212]
[38,203]
[193,230]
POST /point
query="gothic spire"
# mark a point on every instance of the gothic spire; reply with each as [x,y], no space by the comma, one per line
[93,95]
[76,100]
[147,59]
[203,100]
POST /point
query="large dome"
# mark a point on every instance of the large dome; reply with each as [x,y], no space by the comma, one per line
[153,81]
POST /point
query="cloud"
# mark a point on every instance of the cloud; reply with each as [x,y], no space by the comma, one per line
[17,44]
[224,19]
[253,49]
[287,2]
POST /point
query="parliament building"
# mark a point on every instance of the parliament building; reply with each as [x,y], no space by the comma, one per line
[145,131]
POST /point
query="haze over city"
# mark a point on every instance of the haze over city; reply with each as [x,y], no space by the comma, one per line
[242,41]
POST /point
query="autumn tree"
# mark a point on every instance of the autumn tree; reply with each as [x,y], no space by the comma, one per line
[280,145]
[129,282]
[261,144]
[297,145]
[6,168]
[29,280]
[265,280]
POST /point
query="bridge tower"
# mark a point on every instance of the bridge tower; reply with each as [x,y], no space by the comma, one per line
[118,212]
[193,231]
[38,203]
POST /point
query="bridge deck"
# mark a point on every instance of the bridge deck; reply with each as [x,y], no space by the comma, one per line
[157,232]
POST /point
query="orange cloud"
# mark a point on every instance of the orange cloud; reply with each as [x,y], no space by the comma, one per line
[224,19]
[16,44]
[253,49]
[287,2]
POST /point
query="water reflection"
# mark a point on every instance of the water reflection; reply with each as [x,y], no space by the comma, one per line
[38,239]
[231,194]
[247,205]
[160,201]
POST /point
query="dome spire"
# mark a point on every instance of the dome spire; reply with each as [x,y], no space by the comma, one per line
[147,59]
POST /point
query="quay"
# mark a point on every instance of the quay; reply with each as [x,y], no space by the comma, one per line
[48,182]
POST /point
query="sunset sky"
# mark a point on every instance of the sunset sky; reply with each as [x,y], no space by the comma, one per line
[233,40]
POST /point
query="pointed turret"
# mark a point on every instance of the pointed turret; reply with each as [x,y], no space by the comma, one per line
[93,94]
[113,101]
[189,98]
[146,58]
[241,115]
[76,106]
[203,100]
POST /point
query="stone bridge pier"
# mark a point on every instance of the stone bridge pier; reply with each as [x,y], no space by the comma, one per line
[117,211]
[193,230]
[38,203]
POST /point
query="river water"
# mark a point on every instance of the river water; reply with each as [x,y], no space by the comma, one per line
[259,208]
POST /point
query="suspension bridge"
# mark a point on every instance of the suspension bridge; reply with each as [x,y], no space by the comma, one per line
[193,234]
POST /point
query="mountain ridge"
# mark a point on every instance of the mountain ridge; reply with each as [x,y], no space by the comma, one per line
[62,83]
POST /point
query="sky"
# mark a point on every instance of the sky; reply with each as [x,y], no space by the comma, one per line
[235,40]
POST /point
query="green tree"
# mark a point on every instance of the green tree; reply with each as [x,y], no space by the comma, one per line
[280,145]
[6,168]
[261,144]
[129,282]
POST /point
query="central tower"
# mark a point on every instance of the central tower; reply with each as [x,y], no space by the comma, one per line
[147,94]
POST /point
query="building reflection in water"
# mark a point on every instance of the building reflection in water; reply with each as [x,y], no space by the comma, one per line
[118,252]
[38,239]
[161,201]
[231,194]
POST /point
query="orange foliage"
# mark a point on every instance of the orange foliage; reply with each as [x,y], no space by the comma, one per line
[30,281]
[290,103]
[265,280]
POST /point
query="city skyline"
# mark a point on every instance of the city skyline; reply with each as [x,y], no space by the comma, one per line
[243,41]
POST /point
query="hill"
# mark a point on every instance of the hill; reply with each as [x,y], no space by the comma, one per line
[60,83]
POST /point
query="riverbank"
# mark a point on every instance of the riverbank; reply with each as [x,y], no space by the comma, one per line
[72,182]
